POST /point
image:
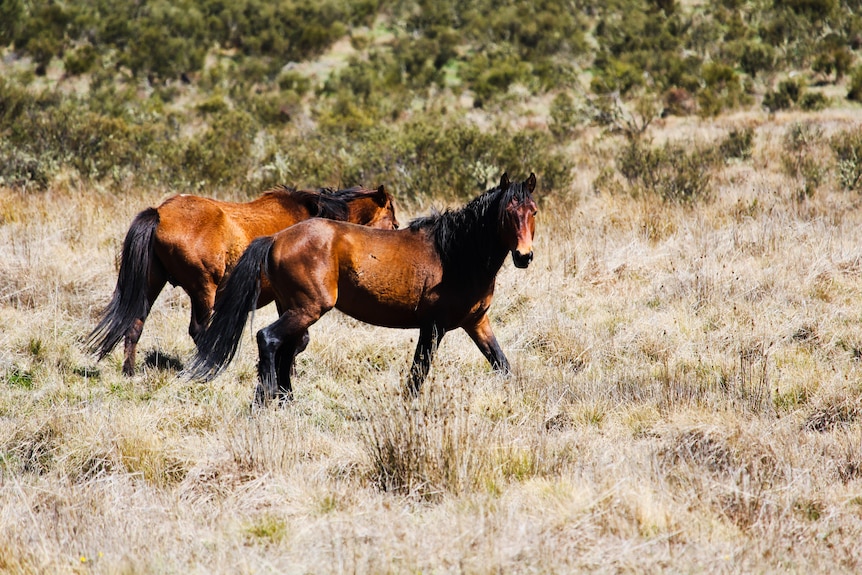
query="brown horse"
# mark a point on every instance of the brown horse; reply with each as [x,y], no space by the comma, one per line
[438,275]
[193,242]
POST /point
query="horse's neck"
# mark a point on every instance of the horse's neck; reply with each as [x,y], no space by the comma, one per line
[478,252]
[286,206]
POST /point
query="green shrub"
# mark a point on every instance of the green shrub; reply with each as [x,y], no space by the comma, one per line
[19,169]
[833,59]
[722,90]
[565,118]
[756,57]
[215,104]
[434,154]
[294,82]
[490,76]
[784,97]
[221,154]
[11,18]
[854,91]
[847,147]
[81,60]
[616,76]
[813,101]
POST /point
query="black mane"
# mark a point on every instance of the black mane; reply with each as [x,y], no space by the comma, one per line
[329,203]
[466,238]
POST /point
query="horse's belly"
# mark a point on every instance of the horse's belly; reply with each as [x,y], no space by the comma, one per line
[384,301]
[377,309]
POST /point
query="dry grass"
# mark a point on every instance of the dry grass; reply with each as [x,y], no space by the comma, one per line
[686,398]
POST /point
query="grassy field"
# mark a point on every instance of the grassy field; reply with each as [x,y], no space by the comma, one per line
[685,398]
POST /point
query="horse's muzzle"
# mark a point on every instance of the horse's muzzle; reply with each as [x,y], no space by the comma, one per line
[522,260]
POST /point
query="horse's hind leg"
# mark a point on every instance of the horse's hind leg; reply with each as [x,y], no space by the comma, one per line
[278,344]
[429,339]
[156,280]
[203,299]
[285,360]
[302,342]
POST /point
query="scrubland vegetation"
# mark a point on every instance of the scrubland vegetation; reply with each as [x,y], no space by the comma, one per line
[686,345]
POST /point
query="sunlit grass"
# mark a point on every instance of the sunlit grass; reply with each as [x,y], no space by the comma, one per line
[685,397]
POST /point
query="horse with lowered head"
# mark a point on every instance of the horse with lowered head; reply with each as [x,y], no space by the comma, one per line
[438,274]
[193,242]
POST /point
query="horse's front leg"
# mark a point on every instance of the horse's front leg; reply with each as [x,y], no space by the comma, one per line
[429,339]
[482,334]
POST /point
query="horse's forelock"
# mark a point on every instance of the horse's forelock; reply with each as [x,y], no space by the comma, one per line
[517,192]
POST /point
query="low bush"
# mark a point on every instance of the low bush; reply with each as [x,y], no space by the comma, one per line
[737,144]
[854,90]
[565,117]
[813,101]
[800,160]
[723,90]
[784,97]
[673,172]
[847,147]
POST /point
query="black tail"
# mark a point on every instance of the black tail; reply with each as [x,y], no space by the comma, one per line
[219,342]
[129,301]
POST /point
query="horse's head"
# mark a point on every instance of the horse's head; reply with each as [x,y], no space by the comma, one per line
[375,210]
[518,218]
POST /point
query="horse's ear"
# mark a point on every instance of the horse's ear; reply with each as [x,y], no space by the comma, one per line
[504,181]
[531,182]
[380,196]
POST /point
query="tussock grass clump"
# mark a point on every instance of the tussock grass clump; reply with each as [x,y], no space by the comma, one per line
[737,144]
[428,447]
[745,471]
[439,444]
[833,412]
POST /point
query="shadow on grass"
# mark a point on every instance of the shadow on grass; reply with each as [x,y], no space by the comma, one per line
[163,361]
